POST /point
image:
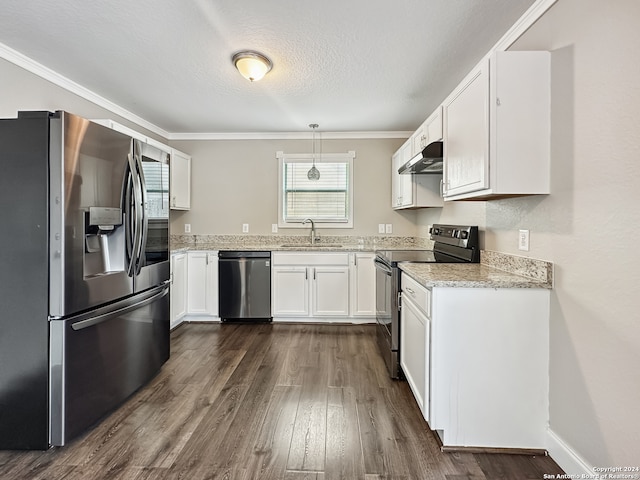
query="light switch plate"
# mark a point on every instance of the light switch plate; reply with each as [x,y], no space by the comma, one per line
[381,228]
[274,228]
[187,228]
[523,240]
[245,228]
[388,228]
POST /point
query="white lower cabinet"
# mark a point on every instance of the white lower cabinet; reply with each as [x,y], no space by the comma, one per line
[415,332]
[480,368]
[202,285]
[330,291]
[178,288]
[290,290]
[362,278]
[310,286]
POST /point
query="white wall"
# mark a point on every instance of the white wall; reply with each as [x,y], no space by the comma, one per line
[235,182]
[595,319]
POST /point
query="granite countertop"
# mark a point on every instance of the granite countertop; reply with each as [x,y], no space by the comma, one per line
[470,275]
[276,243]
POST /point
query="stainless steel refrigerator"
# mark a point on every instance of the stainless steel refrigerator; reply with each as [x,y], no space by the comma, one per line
[84,274]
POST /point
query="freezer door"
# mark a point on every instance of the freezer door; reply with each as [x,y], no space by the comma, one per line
[100,358]
[87,164]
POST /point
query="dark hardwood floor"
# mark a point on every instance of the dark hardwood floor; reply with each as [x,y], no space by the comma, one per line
[265,402]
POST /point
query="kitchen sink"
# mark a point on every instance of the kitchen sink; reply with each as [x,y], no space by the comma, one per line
[307,245]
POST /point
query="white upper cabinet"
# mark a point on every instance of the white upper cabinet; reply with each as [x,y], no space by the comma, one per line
[180,180]
[430,131]
[496,129]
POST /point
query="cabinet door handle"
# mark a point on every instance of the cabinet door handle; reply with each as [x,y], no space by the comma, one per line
[306,273]
[314,273]
[410,291]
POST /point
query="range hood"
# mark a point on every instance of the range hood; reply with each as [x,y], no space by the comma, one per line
[428,161]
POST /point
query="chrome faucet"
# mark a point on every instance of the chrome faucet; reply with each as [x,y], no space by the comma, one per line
[313,229]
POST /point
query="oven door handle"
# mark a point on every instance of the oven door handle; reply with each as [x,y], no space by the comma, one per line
[382,266]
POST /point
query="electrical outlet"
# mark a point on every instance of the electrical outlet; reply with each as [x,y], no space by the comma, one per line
[274,228]
[245,228]
[388,228]
[381,228]
[523,240]
[187,228]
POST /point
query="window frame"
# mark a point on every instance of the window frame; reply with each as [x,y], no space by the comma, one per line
[347,158]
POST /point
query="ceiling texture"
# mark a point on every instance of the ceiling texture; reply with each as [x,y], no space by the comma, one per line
[348,65]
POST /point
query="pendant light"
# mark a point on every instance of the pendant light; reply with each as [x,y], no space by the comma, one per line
[313,173]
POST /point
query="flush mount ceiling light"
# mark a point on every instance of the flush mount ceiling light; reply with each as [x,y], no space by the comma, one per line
[252,65]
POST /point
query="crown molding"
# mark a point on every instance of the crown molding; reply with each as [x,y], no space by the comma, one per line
[61,81]
[527,19]
[286,135]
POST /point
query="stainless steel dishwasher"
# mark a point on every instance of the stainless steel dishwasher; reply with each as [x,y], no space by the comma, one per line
[244,286]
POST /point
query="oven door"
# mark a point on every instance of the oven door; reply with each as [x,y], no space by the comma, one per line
[383,295]
[387,328]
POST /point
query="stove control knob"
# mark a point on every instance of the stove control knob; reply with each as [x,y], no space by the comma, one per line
[456,234]
[436,231]
[464,234]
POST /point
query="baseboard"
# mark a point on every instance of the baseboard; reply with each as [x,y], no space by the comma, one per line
[327,320]
[566,457]
[200,319]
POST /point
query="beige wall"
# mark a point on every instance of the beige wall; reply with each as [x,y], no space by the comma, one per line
[235,182]
[595,319]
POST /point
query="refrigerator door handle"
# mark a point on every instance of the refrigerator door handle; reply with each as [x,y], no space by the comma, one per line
[82,324]
[130,226]
[135,217]
[143,216]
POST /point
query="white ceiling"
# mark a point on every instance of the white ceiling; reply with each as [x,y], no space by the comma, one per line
[348,65]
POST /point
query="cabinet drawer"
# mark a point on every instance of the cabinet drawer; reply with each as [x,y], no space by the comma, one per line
[309,258]
[420,295]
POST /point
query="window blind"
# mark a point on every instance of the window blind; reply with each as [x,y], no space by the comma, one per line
[156,177]
[323,200]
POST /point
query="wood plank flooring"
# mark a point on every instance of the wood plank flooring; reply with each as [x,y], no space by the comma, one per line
[270,401]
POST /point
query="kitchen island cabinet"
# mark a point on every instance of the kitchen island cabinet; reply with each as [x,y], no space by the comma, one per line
[497,129]
[484,377]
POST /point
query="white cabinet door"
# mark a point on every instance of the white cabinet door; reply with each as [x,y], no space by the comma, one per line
[330,291]
[430,131]
[406,182]
[496,129]
[466,135]
[363,285]
[178,288]
[290,291]
[202,284]
[180,180]
[396,194]
[414,354]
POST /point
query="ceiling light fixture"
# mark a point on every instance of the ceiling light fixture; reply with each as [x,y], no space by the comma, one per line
[252,65]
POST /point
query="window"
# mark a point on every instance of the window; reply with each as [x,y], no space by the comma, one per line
[327,201]
[156,176]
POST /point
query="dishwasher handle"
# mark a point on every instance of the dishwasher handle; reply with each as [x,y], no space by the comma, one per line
[236,254]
